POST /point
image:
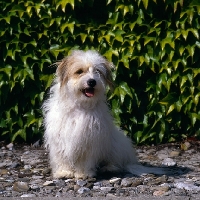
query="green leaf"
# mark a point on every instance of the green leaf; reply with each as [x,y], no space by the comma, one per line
[21,133]
[124,86]
[171,108]
[194,117]
[169,99]
[145,2]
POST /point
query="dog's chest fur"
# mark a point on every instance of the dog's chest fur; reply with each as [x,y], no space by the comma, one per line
[82,132]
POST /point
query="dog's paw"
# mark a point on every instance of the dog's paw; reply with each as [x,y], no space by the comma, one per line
[63,174]
[85,175]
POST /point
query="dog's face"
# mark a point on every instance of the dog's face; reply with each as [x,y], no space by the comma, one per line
[84,76]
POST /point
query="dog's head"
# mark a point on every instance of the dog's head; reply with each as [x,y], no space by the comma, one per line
[84,76]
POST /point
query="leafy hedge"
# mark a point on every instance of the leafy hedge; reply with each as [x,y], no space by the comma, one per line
[154,45]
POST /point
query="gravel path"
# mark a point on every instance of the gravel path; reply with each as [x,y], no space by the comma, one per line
[24,172]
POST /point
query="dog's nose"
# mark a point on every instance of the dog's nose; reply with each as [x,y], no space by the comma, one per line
[91,82]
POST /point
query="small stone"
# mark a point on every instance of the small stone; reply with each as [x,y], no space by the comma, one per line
[37,177]
[157,181]
[135,183]
[49,189]
[69,180]
[2,179]
[35,187]
[174,154]
[187,186]
[59,183]
[83,190]
[110,195]
[162,156]
[158,193]
[76,187]
[3,164]
[95,187]
[20,186]
[197,183]
[168,162]
[126,182]
[46,171]
[14,165]
[81,182]
[49,183]
[10,146]
[99,184]
[115,180]
[106,189]
[185,146]
[27,167]
[3,171]
[28,195]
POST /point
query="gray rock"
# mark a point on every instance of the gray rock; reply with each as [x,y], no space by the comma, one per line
[126,182]
[35,187]
[49,183]
[106,189]
[187,186]
[20,187]
[83,190]
[162,156]
[169,162]
[115,180]
[28,195]
[174,154]
[81,183]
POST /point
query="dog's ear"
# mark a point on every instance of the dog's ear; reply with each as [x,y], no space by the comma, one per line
[62,71]
[109,80]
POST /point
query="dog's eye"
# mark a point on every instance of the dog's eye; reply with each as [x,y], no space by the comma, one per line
[98,71]
[80,71]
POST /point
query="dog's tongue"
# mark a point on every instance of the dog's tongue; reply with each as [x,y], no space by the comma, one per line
[89,92]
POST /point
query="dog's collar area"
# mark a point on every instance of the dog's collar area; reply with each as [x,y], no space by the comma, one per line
[88,92]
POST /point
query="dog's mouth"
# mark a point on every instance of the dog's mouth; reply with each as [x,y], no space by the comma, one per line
[88,92]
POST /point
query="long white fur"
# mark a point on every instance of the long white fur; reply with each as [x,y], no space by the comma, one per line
[79,131]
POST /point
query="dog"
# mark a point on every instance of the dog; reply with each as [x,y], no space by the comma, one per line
[80,132]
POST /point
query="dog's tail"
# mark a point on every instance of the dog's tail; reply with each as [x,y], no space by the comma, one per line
[138,170]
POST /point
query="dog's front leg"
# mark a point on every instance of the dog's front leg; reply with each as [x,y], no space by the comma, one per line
[85,168]
[60,166]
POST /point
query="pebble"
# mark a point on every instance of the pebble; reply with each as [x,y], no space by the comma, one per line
[28,195]
[81,183]
[20,187]
[126,182]
[115,180]
[10,146]
[48,183]
[187,186]
[31,176]
[174,154]
[162,156]
[168,162]
[158,193]
[106,189]
[83,190]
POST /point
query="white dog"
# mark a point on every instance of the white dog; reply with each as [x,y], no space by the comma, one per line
[79,129]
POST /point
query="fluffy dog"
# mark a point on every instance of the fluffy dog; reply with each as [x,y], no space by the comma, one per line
[79,130]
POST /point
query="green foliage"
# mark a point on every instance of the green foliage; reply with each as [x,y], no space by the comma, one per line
[153,44]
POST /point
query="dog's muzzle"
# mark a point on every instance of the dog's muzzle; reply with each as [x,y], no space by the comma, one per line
[89,91]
